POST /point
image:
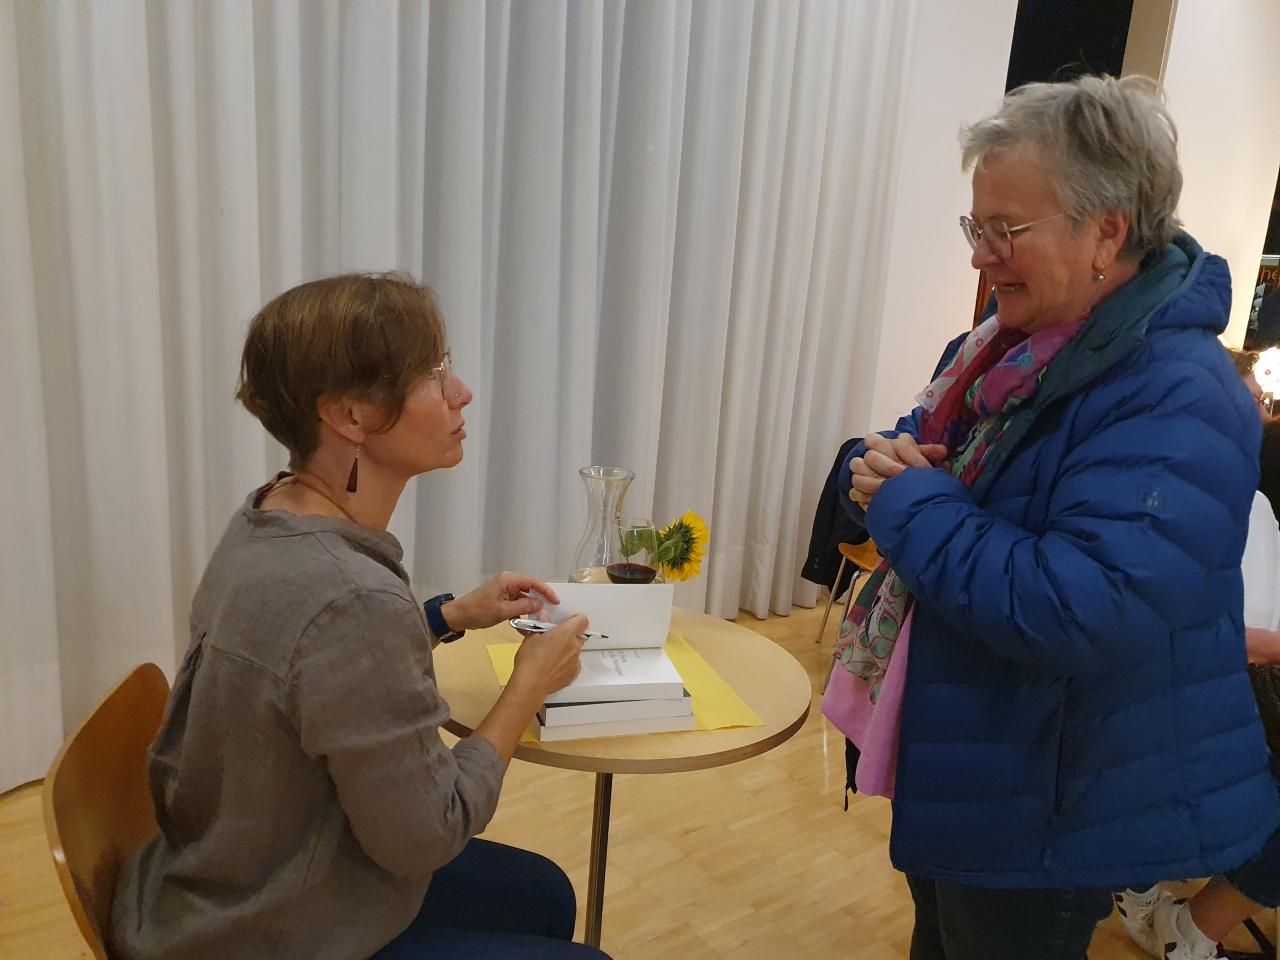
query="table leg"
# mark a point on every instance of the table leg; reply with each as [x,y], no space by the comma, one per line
[599,853]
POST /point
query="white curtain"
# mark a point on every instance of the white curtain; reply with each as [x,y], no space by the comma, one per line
[652,227]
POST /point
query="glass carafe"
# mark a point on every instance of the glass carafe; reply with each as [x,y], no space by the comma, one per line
[601,542]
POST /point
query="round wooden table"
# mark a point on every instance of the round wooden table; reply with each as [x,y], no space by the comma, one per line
[764,675]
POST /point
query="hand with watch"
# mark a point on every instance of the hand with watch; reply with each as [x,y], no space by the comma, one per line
[499,599]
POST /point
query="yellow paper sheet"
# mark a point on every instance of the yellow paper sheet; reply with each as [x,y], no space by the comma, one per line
[715,705]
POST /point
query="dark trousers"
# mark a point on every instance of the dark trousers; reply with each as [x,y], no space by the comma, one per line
[493,902]
[1259,877]
[955,922]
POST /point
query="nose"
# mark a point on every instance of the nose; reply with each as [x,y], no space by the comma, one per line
[983,258]
[458,392]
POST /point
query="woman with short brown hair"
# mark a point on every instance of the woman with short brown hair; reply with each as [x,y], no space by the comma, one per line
[307,804]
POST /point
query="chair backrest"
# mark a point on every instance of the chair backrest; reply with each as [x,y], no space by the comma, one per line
[97,806]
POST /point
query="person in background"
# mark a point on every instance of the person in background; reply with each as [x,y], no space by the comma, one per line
[307,804]
[1063,516]
[1171,929]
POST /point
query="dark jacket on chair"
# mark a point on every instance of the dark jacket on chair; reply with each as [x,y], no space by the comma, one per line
[832,526]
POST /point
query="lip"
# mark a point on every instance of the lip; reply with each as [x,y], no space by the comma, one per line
[460,433]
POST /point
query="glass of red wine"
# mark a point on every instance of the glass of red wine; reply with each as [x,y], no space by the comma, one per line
[639,540]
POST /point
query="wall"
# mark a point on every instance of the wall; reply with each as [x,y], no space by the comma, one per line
[929,285]
[1150,29]
[1222,79]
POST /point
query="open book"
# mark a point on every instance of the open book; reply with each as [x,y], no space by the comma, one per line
[631,616]
[627,684]
[608,675]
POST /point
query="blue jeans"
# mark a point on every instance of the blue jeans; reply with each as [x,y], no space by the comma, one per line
[1258,878]
[955,922]
[494,902]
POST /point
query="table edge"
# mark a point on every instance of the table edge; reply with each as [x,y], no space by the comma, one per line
[568,761]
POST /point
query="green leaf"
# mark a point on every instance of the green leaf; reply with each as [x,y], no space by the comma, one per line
[630,542]
[637,539]
[664,554]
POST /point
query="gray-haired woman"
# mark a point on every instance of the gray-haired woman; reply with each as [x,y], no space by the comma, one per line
[1063,517]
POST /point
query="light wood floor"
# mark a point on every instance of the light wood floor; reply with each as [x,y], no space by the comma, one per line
[753,860]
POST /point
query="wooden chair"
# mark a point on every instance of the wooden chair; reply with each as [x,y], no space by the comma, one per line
[97,806]
[866,558]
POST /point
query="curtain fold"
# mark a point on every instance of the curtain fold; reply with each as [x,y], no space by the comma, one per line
[652,228]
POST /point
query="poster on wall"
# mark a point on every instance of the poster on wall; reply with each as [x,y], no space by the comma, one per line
[1264,313]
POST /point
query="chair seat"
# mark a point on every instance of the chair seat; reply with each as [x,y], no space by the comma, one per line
[864,556]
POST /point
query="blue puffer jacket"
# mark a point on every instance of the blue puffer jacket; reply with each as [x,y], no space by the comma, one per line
[1077,712]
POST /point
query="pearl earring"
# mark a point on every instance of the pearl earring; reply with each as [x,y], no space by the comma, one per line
[1099,276]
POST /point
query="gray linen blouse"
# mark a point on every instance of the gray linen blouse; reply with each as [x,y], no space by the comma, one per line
[303,792]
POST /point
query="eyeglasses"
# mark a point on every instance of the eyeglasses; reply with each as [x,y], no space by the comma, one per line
[997,233]
[442,372]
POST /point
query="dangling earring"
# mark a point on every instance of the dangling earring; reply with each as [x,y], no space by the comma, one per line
[354,477]
[1099,276]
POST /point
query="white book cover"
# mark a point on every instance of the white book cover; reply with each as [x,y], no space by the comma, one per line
[615,728]
[562,714]
[631,615]
[646,674]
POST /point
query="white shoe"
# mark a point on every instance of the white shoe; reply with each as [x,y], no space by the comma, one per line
[1170,937]
[1135,908]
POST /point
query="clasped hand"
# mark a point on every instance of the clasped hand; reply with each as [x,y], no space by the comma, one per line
[885,459]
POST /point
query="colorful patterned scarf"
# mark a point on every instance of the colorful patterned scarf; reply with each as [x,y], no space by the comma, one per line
[966,408]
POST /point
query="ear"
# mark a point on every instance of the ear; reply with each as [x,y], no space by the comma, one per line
[345,417]
[1113,231]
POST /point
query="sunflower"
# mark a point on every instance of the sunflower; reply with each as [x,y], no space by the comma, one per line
[681,546]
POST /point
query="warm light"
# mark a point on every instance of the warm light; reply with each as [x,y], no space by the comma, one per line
[1267,370]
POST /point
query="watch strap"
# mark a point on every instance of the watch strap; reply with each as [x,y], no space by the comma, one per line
[436,621]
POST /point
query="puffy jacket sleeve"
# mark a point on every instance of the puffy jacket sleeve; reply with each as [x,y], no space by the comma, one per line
[908,424]
[1146,518]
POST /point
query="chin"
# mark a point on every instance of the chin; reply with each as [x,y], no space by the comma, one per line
[1013,320]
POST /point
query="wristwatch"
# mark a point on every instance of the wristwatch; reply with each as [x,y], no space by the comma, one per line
[436,621]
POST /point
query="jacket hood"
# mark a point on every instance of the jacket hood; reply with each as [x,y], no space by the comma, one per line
[1185,287]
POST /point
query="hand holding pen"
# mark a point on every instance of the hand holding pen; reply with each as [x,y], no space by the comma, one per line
[538,622]
[527,625]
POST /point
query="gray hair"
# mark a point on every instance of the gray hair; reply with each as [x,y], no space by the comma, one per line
[1108,144]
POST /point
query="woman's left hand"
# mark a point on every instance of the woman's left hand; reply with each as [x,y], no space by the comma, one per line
[885,458]
[501,598]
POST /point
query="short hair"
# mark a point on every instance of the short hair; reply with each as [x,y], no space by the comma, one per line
[1107,144]
[369,337]
[1245,361]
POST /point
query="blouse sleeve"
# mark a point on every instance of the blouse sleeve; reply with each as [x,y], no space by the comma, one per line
[365,702]
[1261,567]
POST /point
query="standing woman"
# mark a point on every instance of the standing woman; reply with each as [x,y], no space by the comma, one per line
[307,804]
[1063,517]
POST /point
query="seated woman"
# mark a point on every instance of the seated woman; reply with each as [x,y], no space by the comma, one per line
[1063,516]
[307,804]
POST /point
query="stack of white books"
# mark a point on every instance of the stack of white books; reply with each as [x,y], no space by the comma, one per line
[627,684]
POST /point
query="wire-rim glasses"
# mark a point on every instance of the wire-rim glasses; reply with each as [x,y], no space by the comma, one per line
[442,372]
[997,233]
